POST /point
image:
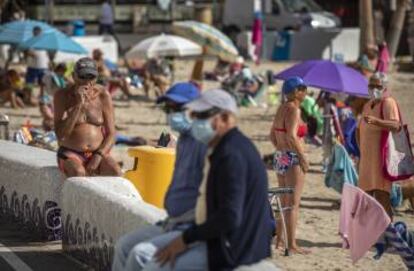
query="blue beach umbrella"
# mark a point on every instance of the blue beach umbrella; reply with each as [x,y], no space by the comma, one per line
[54,41]
[17,32]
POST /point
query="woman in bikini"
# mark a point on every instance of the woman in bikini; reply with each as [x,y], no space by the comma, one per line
[287,133]
[84,124]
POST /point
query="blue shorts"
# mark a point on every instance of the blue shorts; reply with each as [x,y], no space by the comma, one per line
[34,75]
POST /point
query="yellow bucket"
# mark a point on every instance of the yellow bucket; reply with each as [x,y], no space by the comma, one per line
[152,172]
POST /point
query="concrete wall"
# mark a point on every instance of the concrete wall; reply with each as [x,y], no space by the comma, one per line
[88,214]
[30,186]
[96,212]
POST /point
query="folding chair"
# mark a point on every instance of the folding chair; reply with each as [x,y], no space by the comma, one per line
[274,194]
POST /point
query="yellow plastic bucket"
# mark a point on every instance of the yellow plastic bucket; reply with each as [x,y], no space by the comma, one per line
[152,172]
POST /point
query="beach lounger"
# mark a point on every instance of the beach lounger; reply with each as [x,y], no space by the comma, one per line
[274,197]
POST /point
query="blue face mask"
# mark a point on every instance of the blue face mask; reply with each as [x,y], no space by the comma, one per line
[179,122]
[202,131]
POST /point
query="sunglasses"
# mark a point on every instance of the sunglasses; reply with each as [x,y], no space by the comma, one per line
[87,76]
[206,114]
[302,88]
[372,86]
[172,108]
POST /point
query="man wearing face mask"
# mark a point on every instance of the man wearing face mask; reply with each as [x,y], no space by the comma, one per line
[232,210]
[371,178]
[134,250]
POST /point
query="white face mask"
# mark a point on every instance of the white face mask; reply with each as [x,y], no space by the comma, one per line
[376,93]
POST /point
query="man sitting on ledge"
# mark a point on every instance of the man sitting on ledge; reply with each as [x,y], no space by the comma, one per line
[183,191]
[232,214]
[84,125]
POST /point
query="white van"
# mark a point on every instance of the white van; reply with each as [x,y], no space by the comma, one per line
[278,15]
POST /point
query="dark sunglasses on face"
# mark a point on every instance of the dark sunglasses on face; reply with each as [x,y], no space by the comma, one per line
[372,86]
[303,89]
[87,77]
[206,114]
[170,108]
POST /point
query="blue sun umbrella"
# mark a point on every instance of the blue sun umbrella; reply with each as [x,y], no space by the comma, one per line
[17,32]
[54,41]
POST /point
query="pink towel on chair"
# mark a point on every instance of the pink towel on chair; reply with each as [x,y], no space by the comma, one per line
[362,221]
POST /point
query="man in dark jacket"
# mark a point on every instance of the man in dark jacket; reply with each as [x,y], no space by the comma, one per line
[232,210]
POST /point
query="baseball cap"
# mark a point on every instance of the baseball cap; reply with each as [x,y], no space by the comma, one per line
[214,98]
[86,68]
[181,93]
[292,83]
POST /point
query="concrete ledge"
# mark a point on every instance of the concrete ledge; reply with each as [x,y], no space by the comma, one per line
[96,211]
[30,185]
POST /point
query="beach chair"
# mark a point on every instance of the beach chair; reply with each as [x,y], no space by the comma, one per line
[274,194]
[257,99]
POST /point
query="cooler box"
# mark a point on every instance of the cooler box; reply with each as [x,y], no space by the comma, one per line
[152,172]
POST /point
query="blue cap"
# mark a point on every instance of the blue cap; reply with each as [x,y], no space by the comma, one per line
[181,93]
[292,84]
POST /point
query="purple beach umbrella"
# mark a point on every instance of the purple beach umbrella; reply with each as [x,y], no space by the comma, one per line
[329,76]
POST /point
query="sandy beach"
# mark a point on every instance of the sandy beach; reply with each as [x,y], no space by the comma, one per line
[319,216]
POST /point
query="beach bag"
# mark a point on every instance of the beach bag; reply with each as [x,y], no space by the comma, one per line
[397,156]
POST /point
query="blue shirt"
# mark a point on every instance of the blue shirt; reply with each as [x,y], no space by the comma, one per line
[188,173]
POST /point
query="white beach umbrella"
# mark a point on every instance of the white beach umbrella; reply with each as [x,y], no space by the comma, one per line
[164,46]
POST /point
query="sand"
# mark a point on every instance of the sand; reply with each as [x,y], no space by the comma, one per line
[319,214]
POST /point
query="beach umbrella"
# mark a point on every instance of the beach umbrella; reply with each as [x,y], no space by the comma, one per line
[18,32]
[53,41]
[215,41]
[329,76]
[164,46]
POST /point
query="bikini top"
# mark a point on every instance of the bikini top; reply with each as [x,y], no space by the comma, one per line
[302,130]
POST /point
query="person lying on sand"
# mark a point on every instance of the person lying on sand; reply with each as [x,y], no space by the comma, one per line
[84,124]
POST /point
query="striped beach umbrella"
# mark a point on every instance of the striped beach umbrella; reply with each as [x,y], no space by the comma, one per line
[163,46]
[214,40]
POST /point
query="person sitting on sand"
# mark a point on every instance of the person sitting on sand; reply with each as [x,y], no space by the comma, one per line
[84,125]
[105,77]
[157,74]
[51,83]
[11,89]
[287,135]
[373,122]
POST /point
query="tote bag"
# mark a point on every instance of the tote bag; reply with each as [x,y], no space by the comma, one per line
[397,156]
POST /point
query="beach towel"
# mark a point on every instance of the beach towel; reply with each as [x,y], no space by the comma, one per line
[362,221]
[340,170]
[397,239]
